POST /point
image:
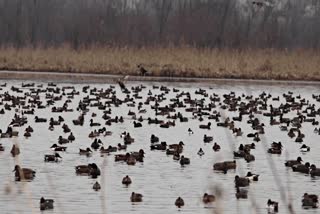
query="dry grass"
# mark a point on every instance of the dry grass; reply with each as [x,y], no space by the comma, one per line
[169,61]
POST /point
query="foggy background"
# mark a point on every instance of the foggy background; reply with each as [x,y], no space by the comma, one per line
[202,23]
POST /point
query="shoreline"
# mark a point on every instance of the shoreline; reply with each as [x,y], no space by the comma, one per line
[77,77]
[187,64]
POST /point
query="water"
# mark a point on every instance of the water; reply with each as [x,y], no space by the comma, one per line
[160,179]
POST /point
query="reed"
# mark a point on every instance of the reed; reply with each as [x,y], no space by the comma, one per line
[183,61]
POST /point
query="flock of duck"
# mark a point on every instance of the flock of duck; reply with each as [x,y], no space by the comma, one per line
[206,108]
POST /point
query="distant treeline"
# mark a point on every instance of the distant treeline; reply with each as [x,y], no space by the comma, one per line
[201,23]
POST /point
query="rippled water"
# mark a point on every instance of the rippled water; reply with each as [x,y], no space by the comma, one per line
[160,179]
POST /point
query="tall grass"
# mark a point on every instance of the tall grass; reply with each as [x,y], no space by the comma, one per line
[167,61]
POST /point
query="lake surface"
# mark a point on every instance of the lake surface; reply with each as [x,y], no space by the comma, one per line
[159,178]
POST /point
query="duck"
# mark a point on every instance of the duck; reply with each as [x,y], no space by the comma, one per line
[138,155]
[177,147]
[310,201]
[52,158]
[109,149]
[62,140]
[71,137]
[27,134]
[29,129]
[179,202]
[40,120]
[304,148]
[208,198]
[90,169]
[137,124]
[122,147]
[225,166]
[290,163]
[136,197]
[46,204]
[216,147]
[57,148]
[314,171]
[303,168]
[207,139]
[15,150]
[96,144]
[86,151]
[200,152]
[131,160]
[190,132]
[23,173]
[241,181]
[96,186]
[208,126]
[154,139]
[241,193]
[252,177]
[126,180]
[161,146]
[184,161]
[272,206]
[94,124]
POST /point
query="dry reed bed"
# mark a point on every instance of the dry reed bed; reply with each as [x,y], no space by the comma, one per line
[169,61]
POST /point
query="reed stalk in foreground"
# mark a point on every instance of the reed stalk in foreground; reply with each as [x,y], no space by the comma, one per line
[168,61]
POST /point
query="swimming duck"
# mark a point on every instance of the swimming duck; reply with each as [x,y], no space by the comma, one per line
[136,124]
[241,181]
[207,139]
[86,151]
[40,120]
[314,171]
[177,147]
[46,204]
[90,169]
[303,168]
[208,126]
[190,131]
[94,124]
[272,206]
[184,161]
[249,157]
[62,140]
[290,163]
[304,148]
[96,144]
[154,139]
[179,202]
[252,177]
[57,148]
[225,166]
[96,186]
[161,146]
[200,152]
[126,180]
[216,147]
[71,137]
[27,134]
[208,198]
[52,158]
[136,197]
[122,147]
[23,173]
[131,160]
[310,201]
